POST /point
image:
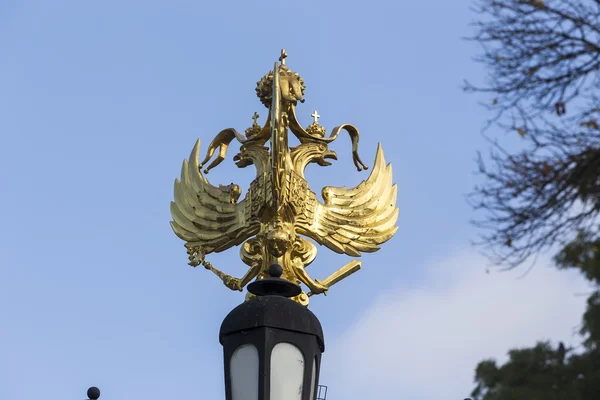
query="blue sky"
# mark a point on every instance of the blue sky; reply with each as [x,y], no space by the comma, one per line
[101,102]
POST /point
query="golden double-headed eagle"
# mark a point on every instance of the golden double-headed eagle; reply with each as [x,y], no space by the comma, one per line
[279,210]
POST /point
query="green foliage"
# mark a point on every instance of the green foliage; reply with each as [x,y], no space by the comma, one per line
[582,253]
[591,322]
[544,372]
[530,374]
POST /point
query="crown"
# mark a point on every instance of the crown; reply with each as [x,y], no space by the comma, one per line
[315,129]
[255,129]
[295,87]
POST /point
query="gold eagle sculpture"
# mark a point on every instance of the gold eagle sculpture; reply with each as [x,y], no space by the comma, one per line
[279,211]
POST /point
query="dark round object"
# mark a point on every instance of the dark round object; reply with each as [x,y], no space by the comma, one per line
[274,285]
[275,271]
[93,393]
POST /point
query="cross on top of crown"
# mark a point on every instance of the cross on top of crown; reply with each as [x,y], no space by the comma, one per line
[283,56]
[315,116]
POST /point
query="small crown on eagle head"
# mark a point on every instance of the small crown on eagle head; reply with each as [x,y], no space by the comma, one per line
[264,87]
[315,129]
[255,129]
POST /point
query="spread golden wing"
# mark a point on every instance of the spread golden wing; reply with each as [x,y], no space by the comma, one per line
[355,220]
[206,215]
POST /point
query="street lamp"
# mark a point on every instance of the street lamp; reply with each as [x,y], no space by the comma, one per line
[272,345]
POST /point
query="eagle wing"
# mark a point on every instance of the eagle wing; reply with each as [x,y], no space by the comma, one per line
[358,219]
[206,215]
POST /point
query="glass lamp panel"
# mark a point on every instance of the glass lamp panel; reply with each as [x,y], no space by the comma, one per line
[287,372]
[313,379]
[244,373]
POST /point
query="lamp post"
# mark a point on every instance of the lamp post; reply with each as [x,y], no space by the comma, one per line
[272,345]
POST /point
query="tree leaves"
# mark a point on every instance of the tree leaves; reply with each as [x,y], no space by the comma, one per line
[544,371]
[590,124]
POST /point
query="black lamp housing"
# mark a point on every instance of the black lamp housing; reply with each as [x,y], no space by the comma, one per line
[272,345]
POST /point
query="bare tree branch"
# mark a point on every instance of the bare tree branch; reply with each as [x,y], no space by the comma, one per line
[543,60]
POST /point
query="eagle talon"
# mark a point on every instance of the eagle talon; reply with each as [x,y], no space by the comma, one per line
[232,283]
[319,288]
